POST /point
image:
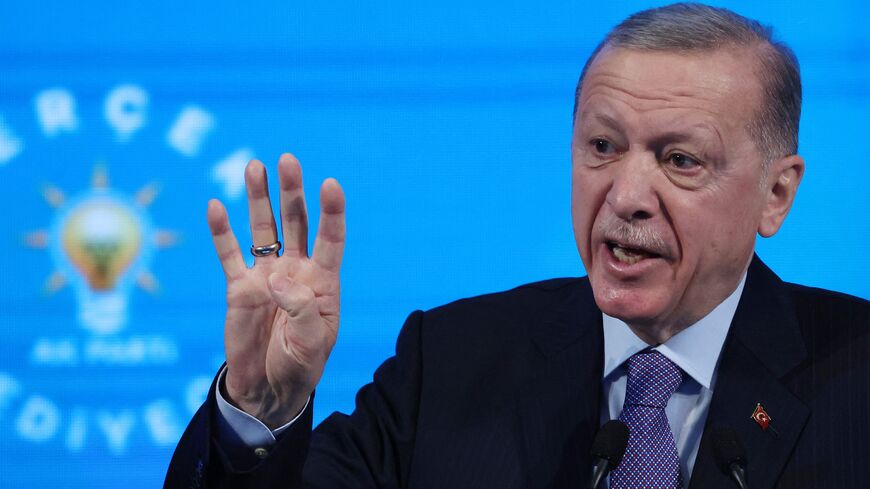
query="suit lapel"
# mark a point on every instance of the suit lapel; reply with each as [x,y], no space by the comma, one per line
[559,406]
[764,344]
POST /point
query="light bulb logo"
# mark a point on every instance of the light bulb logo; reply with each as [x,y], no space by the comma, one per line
[105,245]
[102,239]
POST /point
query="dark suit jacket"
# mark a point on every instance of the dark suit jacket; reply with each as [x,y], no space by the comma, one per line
[503,391]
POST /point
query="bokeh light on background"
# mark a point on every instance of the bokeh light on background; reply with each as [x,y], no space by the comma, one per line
[448,125]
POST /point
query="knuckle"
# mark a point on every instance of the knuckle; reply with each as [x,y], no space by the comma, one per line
[226,255]
[262,226]
[298,298]
[303,292]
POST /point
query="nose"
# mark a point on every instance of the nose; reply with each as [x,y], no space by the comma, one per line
[632,195]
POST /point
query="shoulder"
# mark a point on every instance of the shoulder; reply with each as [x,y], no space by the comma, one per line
[480,350]
[501,331]
[772,299]
[829,308]
[545,300]
[835,328]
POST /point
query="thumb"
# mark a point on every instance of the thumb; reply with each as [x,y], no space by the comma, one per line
[294,297]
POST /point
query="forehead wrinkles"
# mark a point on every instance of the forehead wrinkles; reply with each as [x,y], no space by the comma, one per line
[721,84]
[636,94]
[630,102]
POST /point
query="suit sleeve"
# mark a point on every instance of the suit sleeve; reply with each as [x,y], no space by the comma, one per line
[370,448]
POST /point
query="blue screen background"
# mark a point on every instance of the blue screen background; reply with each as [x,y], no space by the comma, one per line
[448,124]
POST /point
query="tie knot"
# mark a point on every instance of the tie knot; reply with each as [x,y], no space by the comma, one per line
[652,379]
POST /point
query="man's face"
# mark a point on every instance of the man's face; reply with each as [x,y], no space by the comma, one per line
[666,197]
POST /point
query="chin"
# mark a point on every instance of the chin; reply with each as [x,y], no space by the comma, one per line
[632,305]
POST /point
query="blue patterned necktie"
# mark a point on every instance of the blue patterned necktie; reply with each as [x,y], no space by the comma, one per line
[651,459]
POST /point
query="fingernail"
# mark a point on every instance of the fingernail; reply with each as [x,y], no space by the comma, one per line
[279,283]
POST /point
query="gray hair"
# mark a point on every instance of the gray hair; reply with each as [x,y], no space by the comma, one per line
[683,27]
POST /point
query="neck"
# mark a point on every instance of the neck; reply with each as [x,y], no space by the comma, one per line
[654,336]
[655,333]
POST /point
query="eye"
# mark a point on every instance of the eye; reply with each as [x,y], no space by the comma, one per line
[682,162]
[602,147]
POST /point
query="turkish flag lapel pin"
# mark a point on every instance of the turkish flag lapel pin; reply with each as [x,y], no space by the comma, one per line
[761,417]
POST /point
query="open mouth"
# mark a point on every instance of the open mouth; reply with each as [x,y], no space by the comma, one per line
[629,255]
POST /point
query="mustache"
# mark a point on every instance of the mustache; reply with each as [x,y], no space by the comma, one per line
[632,235]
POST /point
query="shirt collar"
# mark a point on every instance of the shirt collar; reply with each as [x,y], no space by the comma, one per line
[695,349]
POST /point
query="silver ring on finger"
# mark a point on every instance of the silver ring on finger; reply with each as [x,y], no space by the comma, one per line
[270,249]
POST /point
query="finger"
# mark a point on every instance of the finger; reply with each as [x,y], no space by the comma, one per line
[294,217]
[224,240]
[329,245]
[260,213]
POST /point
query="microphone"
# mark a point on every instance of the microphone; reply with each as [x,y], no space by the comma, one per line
[730,455]
[608,447]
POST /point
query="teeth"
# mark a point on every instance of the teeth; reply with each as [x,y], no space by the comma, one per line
[628,256]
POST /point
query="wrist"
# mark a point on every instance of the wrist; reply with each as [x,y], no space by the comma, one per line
[270,409]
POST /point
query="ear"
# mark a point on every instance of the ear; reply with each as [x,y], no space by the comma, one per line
[781,184]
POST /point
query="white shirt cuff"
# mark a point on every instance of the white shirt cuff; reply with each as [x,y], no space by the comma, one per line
[244,427]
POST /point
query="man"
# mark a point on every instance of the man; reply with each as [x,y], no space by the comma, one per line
[684,148]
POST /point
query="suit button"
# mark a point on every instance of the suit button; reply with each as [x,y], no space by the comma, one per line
[261,453]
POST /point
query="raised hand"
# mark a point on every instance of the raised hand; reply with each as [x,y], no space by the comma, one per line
[282,313]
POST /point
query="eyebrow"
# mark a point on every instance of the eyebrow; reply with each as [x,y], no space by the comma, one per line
[604,119]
